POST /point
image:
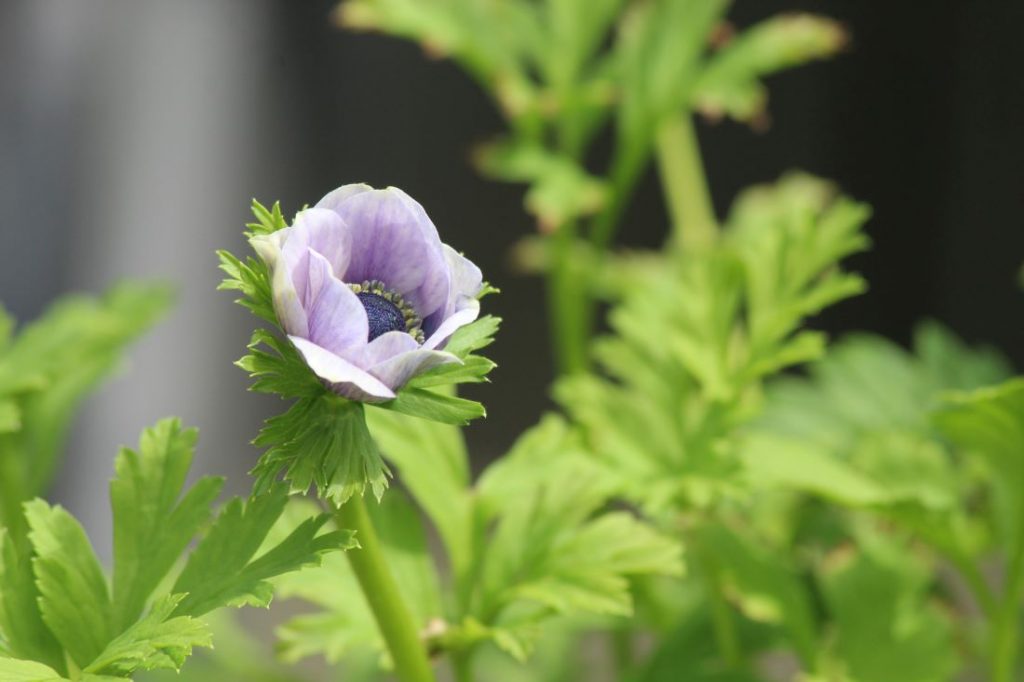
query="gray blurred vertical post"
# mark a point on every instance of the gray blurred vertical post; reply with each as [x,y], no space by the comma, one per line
[166,117]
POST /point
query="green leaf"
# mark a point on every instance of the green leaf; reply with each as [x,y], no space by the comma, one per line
[659,49]
[153,521]
[14,670]
[73,598]
[560,188]
[322,440]
[433,464]
[764,586]
[156,641]
[729,82]
[267,220]
[221,571]
[552,552]
[434,406]
[25,635]
[773,461]
[10,416]
[276,367]
[886,628]
[344,625]
[989,423]
[53,362]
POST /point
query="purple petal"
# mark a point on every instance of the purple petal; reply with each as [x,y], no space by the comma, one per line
[334,198]
[337,319]
[343,377]
[397,244]
[396,371]
[324,232]
[287,303]
[462,306]
[384,347]
[452,325]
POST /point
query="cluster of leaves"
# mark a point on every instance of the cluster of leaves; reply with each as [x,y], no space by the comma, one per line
[876,431]
[695,336]
[60,618]
[322,438]
[560,70]
[46,370]
[529,542]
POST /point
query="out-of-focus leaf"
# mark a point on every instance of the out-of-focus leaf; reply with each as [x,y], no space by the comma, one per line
[885,628]
[47,369]
[792,463]
[989,422]
[730,82]
[659,50]
[433,464]
[763,585]
[345,625]
[560,189]
[13,670]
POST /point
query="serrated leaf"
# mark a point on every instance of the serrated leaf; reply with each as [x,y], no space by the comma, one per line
[322,441]
[434,406]
[730,83]
[989,423]
[276,367]
[222,570]
[74,600]
[25,635]
[433,464]
[267,220]
[764,586]
[345,625]
[886,628]
[53,362]
[792,463]
[551,551]
[474,336]
[13,670]
[153,521]
[157,641]
[560,188]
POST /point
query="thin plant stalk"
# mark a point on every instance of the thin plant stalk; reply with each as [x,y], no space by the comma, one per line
[381,592]
[687,197]
[568,304]
[1007,618]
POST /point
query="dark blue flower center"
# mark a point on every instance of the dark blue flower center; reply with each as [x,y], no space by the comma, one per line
[383,315]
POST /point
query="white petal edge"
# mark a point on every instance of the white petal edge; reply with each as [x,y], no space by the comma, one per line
[354,382]
[459,319]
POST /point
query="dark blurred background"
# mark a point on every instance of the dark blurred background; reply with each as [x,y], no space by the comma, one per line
[134,134]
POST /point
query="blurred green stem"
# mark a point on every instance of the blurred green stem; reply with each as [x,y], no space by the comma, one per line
[381,592]
[722,622]
[569,306]
[683,182]
[1007,617]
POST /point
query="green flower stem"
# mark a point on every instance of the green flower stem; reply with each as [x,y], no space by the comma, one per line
[568,303]
[723,624]
[694,226]
[1007,617]
[381,592]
